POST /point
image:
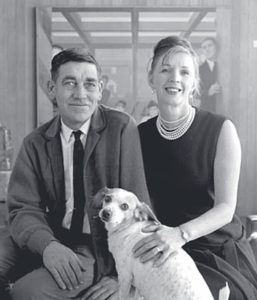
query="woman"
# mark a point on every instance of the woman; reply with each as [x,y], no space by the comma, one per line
[192,164]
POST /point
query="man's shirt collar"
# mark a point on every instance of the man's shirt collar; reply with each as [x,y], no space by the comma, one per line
[67,131]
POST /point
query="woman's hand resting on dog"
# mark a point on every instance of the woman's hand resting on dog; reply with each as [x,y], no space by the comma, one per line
[158,246]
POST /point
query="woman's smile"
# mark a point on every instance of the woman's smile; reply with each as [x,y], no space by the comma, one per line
[173,90]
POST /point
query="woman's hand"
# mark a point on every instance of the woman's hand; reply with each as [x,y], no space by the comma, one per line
[160,245]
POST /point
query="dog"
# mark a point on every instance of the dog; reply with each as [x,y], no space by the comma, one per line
[177,279]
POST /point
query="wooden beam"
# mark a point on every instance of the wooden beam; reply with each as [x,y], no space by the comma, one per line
[91,9]
[75,21]
[194,22]
[126,26]
[94,26]
[134,24]
[173,26]
[139,9]
[149,45]
[103,40]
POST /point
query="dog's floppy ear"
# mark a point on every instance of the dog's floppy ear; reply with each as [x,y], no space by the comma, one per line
[144,213]
[99,196]
[104,190]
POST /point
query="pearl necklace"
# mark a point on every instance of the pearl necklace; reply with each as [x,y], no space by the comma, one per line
[179,131]
[172,125]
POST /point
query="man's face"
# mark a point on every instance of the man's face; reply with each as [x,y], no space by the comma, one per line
[77,91]
[209,49]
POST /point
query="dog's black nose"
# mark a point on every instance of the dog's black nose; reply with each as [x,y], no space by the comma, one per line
[106,214]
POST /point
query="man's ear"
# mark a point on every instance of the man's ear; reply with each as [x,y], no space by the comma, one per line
[101,87]
[150,80]
[144,213]
[51,89]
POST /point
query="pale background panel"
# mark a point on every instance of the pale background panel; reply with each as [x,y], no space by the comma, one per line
[236,23]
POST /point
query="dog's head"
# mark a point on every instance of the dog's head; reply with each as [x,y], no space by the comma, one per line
[120,205]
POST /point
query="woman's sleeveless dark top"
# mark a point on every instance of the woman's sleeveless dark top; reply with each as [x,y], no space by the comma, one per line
[179,176]
[179,173]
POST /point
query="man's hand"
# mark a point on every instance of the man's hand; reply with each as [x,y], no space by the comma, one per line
[214,89]
[64,265]
[106,288]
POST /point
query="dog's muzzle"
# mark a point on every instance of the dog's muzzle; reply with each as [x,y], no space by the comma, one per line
[105,215]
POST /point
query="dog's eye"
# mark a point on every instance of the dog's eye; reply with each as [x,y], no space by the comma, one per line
[107,199]
[124,206]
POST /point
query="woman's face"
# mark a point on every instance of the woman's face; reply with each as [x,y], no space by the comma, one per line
[173,78]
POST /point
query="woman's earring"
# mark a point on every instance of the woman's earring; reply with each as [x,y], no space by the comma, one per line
[191,97]
[154,97]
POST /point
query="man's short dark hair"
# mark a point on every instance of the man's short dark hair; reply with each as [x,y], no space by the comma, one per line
[75,55]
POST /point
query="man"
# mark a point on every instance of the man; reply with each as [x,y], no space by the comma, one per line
[210,88]
[53,212]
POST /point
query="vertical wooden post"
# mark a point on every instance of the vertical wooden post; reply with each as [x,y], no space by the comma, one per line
[236,31]
[134,24]
[45,108]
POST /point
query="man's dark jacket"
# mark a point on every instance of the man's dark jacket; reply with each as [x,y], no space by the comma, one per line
[36,194]
[207,79]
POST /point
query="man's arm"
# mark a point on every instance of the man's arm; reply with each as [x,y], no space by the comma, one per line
[28,224]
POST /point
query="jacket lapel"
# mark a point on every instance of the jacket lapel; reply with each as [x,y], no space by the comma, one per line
[98,123]
[54,150]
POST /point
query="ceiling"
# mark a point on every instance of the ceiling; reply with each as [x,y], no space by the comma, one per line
[129,28]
